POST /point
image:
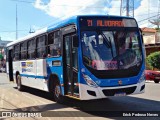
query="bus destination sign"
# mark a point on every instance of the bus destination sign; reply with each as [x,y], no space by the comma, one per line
[101,22]
[106,23]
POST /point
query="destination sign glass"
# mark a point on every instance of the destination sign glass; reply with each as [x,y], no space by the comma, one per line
[105,22]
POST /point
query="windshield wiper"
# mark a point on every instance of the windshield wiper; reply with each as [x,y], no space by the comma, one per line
[107,42]
[111,47]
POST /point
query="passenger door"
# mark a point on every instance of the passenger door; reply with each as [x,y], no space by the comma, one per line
[10,64]
[70,67]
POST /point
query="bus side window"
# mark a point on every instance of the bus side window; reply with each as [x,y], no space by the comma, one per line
[50,42]
[41,47]
[16,52]
[31,49]
[54,44]
[23,50]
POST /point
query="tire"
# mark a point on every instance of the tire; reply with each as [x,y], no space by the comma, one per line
[19,85]
[57,92]
[156,81]
[55,89]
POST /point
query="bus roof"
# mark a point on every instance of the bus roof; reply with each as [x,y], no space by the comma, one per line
[47,29]
[71,20]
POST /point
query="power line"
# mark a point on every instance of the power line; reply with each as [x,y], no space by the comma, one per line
[13,31]
[147,18]
[49,23]
[151,25]
[62,16]
[22,1]
[63,5]
[146,14]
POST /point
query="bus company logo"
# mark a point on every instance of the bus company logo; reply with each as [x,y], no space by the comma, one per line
[23,64]
[119,82]
[29,64]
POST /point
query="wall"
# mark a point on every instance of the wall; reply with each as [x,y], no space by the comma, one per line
[149,38]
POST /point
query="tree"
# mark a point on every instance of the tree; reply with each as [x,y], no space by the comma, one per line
[154,60]
[1,57]
[158,29]
[156,22]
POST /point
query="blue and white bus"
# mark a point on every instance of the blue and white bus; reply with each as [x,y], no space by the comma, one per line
[83,57]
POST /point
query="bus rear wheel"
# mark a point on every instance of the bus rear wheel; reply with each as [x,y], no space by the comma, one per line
[19,85]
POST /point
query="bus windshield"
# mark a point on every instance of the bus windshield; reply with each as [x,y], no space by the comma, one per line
[111,50]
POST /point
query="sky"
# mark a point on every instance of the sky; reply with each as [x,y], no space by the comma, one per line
[37,14]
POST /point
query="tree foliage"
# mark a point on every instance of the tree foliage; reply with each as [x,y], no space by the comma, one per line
[154,60]
[158,29]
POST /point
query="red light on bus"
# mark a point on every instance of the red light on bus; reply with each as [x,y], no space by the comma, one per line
[110,23]
[89,22]
[105,23]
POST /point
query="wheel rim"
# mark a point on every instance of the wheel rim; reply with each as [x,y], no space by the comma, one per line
[57,91]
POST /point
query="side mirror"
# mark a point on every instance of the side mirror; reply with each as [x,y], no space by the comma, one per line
[75,41]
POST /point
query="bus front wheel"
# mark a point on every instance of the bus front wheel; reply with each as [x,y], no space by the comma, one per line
[19,85]
[57,92]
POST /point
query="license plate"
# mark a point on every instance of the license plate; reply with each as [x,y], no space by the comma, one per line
[157,77]
[120,94]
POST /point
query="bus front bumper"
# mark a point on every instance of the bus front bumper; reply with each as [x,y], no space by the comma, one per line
[88,93]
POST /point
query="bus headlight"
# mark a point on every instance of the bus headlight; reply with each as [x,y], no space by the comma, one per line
[142,78]
[89,81]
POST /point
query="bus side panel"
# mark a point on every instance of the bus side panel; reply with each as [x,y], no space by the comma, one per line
[28,70]
[33,74]
[16,67]
[54,66]
[37,83]
[41,67]
[7,69]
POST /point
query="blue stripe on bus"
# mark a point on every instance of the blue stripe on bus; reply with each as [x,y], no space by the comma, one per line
[34,76]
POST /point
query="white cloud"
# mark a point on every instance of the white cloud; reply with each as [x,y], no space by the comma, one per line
[147,9]
[65,8]
[115,7]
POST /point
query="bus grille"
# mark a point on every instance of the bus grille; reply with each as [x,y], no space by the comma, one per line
[111,92]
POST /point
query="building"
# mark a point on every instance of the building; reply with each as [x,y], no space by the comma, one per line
[149,35]
[3,44]
[151,41]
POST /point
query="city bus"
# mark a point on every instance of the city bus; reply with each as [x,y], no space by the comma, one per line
[82,57]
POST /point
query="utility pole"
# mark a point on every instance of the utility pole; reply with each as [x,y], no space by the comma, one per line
[16,23]
[127,8]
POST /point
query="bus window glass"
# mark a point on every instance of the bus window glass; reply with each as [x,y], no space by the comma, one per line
[54,44]
[24,50]
[31,49]
[41,41]
[50,38]
[75,58]
[67,49]
[16,52]
[41,47]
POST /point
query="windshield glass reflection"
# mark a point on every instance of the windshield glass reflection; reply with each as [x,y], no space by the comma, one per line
[111,50]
